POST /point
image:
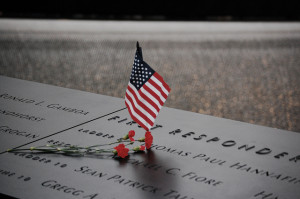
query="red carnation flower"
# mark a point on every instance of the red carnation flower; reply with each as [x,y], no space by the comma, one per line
[121,150]
[142,148]
[148,139]
[119,147]
[131,134]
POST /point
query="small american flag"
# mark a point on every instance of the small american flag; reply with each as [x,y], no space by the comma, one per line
[146,92]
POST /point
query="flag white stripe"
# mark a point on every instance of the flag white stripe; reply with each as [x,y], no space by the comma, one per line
[159,84]
[140,108]
[155,91]
[137,115]
[142,99]
[151,97]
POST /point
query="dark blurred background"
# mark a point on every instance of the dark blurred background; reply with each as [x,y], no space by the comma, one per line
[216,10]
[236,59]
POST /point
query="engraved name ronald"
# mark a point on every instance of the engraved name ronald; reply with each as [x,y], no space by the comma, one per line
[55,106]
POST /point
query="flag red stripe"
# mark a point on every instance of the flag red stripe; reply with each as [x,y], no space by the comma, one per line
[137,111]
[148,100]
[162,81]
[141,103]
[144,101]
[158,88]
[135,119]
[153,94]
